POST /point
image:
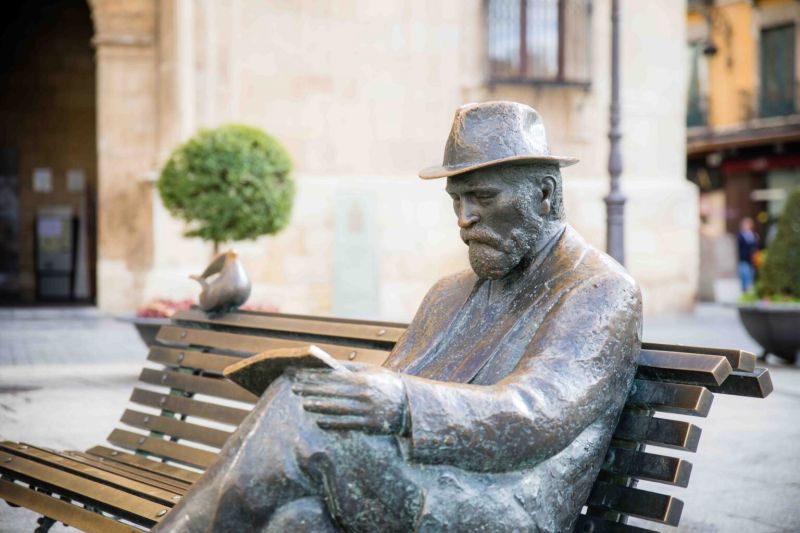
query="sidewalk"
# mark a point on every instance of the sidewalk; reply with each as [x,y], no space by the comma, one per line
[746,472]
[68,335]
[65,377]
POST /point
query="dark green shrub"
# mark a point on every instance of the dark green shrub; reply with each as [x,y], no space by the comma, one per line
[779,277]
[231,183]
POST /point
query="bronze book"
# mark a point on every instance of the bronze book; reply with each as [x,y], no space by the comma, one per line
[257,372]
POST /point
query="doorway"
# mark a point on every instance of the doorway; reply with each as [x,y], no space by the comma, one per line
[48,153]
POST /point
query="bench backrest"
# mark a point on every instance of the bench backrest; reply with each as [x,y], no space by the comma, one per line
[196,409]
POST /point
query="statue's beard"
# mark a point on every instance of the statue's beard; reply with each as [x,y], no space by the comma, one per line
[492,256]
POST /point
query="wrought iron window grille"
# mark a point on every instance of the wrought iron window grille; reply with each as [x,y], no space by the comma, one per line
[539,42]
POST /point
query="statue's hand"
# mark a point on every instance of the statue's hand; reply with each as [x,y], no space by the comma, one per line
[369,399]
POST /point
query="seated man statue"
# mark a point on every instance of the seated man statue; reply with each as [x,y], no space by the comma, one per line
[495,409]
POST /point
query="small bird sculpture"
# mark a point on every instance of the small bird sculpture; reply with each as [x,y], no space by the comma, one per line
[225,284]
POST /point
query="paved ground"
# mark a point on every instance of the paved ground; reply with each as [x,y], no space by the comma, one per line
[746,473]
[65,377]
[68,335]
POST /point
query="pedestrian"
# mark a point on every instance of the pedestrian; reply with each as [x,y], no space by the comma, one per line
[747,244]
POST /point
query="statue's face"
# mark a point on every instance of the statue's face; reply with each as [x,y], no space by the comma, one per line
[498,211]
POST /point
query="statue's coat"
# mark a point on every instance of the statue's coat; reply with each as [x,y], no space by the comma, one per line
[556,363]
[513,441]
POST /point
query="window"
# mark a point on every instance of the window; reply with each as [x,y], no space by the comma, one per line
[777,71]
[539,41]
[697,107]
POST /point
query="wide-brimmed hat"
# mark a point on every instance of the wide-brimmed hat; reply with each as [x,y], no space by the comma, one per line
[494,133]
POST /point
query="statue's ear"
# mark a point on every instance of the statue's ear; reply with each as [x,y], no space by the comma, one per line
[548,187]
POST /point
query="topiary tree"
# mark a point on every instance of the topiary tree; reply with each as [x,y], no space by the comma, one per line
[231,183]
[780,275]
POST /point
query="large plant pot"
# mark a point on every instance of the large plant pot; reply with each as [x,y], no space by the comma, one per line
[146,327]
[775,326]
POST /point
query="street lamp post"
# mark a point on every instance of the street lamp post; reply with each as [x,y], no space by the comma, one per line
[615,201]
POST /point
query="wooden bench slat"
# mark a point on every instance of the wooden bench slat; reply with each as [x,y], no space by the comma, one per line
[133,508]
[738,359]
[72,466]
[636,502]
[329,327]
[176,357]
[132,472]
[219,387]
[756,384]
[172,451]
[674,434]
[189,406]
[251,344]
[700,369]
[175,472]
[176,428]
[593,524]
[671,397]
[647,466]
[61,511]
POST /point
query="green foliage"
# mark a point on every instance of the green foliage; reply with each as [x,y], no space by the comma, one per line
[750,297]
[230,183]
[779,277]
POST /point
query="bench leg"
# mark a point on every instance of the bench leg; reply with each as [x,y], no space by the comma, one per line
[45,523]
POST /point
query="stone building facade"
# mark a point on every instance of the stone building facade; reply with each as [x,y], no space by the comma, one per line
[743,135]
[362,95]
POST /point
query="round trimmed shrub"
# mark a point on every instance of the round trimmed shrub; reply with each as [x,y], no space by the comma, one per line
[231,183]
[779,277]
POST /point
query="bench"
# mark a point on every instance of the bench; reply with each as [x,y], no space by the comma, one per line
[184,411]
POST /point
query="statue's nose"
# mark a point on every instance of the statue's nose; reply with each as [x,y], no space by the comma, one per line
[467,215]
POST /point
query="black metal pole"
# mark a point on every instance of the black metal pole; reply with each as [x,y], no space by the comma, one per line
[615,201]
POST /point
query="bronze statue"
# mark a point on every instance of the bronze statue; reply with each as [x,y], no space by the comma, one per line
[229,286]
[493,412]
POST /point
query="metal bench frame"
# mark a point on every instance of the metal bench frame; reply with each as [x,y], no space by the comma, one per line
[185,411]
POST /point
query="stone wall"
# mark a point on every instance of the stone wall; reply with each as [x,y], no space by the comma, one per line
[362,94]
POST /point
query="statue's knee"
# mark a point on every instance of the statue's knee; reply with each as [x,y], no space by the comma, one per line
[306,514]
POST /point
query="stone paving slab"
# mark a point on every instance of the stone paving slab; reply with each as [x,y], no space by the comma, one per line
[746,472]
[66,336]
[64,407]
[70,380]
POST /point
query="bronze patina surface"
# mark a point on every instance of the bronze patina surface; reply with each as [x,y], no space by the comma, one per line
[496,407]
[229,286]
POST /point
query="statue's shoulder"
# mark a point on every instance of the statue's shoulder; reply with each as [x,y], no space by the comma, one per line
[465,279]
[443,299]
[594,265]
[452,289]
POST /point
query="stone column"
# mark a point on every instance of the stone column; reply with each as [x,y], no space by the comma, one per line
[127,140]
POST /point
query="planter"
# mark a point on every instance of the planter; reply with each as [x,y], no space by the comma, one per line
[775,326]
[147,327]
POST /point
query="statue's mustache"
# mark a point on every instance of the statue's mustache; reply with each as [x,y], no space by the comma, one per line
[482,236]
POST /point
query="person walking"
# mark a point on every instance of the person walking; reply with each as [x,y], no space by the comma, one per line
[747,244]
